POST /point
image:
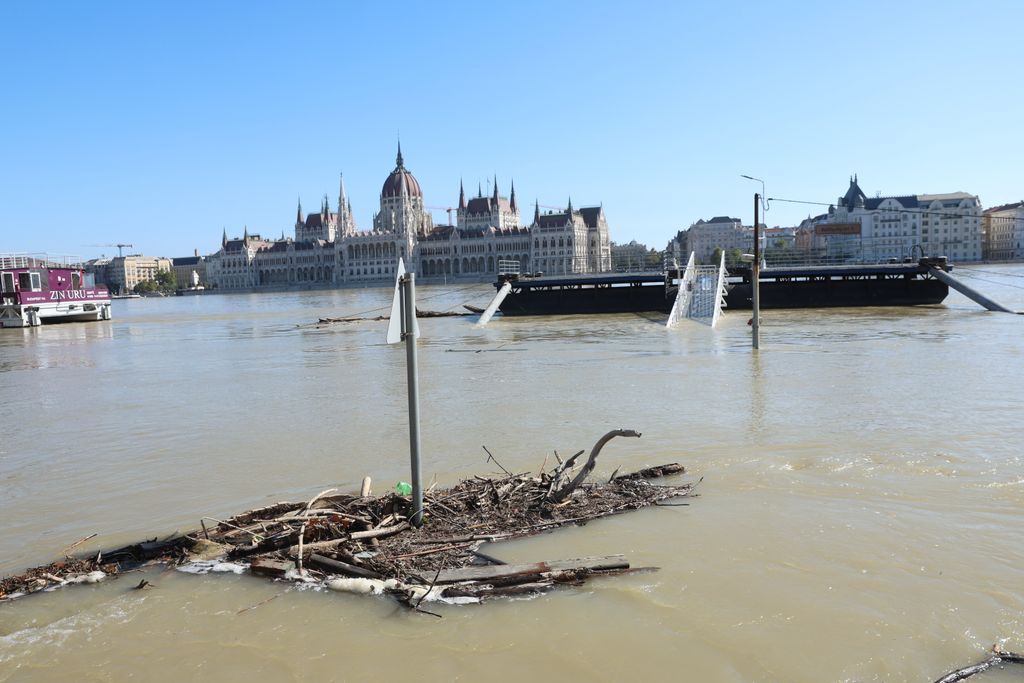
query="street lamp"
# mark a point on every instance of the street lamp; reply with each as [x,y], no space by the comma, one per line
[757,180]
[763,202]
[755,267]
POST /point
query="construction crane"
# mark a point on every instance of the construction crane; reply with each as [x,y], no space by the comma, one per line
[449,209]
[119,247]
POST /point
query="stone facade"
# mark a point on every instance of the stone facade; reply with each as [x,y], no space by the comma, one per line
[704,237]
[122,273]
[330,250]
[571,241]
[187,269]
[1004,232]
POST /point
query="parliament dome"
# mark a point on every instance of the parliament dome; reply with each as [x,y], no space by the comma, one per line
[393,185]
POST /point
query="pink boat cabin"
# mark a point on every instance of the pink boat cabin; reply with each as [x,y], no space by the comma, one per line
[36,290]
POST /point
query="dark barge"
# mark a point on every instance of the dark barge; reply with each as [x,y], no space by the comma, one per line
[820,286]
[883,284]
[575,294]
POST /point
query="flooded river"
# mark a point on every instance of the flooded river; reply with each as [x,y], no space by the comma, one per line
[859,516]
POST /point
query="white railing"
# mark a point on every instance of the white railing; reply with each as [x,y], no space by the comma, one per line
[681,305]
[836,250]
[508,267]
[16,261]
[40,260]
[701,294]
[638,263]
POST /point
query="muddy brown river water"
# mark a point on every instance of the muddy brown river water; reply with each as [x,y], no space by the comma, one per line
[859,516]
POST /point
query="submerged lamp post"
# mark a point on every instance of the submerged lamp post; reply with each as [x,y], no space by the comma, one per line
[755,268]
[403,327]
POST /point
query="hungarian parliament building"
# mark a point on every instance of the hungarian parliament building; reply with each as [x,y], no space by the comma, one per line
[330,250]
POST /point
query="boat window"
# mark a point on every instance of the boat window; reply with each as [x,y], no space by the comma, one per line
[24,281]
[8,282]
[76,280]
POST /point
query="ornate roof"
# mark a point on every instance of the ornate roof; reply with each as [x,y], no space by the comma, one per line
[401,182]
[907,202]
[552,220]
[485,205]
[591,215]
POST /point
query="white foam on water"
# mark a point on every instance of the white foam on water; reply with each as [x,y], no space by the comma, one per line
[1005,484]
[214,566]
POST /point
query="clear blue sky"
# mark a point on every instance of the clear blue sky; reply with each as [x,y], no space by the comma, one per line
[159,124]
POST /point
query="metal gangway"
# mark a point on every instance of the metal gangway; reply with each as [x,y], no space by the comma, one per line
[701,294]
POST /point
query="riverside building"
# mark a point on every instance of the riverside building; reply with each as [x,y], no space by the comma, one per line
[121,274]
[329,249]
[897,227]
[721,232]
[1004,232]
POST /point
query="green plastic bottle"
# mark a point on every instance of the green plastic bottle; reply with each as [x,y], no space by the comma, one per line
[403,488]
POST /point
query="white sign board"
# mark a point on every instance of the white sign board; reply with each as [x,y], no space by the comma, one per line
[396,322]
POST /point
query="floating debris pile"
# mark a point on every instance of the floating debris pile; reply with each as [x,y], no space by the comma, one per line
[419,314]
[366,543]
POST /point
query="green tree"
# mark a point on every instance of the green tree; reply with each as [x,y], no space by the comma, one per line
[144,286]
[166,280]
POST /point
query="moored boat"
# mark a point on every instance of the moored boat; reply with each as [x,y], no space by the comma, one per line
[36,290]
[883,284]
[910,283]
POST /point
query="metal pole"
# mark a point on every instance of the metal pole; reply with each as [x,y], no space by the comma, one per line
[755,276]
[409,319]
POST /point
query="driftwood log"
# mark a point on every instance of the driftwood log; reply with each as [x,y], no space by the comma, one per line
[565,491]
[997,658]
